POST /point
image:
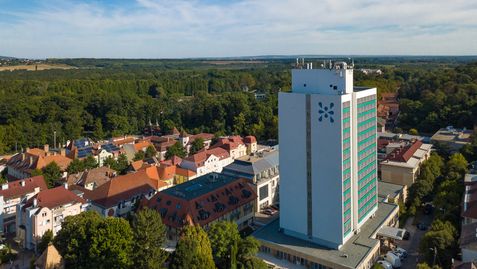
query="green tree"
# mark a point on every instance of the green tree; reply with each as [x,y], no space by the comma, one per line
[246,256]
[196,145]
[176,150]
[45,240]
[90,163]
[140,155]
[442,236]
[413,131]
[193,250]
[51,172]
[150,152]
[223,237]
[98,132]
[122,164]
[112,244]
[149,236]
[457,163]
[88,240]
[75,166]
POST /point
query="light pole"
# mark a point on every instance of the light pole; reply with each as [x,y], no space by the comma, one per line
[435,255]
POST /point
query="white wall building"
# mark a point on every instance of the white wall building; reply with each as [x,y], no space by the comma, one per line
[328,159]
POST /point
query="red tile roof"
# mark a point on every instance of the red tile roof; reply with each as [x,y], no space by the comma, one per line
[122,188]
[55,197]
[405,153]
[177,212]
[250,139]
[15,188]
[142,145]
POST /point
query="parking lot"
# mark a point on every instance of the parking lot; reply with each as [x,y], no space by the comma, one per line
[412,245]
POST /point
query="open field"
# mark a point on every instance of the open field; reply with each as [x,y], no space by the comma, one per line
[35,67]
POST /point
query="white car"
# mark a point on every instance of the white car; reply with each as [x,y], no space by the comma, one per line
[398,254]
[385,264]
[402,251]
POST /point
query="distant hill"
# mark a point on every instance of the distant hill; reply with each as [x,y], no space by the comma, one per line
[7,58]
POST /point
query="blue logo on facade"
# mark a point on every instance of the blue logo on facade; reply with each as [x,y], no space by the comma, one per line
[326,112]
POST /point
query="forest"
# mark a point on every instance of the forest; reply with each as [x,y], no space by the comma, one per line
[103,98]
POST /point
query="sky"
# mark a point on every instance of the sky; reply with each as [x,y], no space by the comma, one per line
[228,28]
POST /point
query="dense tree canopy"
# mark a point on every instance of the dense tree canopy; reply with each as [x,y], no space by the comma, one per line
[149,236]
[88,240]
[193,250]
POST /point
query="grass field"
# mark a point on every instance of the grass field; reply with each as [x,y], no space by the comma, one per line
[35,67]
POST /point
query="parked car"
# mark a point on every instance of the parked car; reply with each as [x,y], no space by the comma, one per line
[422,226]
[393,259]
[406,235]
[269,212]
[385,264]
[401,250]
[428,209]
[399,254]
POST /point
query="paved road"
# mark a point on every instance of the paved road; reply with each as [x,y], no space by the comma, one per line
[412,245]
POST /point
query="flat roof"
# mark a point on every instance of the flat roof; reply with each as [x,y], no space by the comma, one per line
[386,189]
[199,186]
[353,252]
[403,136]
[391,232]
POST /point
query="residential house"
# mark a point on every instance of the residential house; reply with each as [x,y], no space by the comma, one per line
[186,139]
[85,147]
[91,179]
[205,200]
[131,149]
[182,175]
[162,144]
[207,161]
[122,140]
[11,194]
[45,211]
[388,109]
[21,165]
[262,171]
[400,160]
[118,196]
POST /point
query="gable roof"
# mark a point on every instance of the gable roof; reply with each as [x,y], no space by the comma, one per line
[52,198]
[121,188]
[15,188]
[98,176]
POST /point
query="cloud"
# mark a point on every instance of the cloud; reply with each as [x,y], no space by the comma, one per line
[179,28]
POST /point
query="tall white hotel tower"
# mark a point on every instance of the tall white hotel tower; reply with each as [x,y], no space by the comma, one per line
[328,157]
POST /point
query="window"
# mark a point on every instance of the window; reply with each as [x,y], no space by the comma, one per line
[263,192]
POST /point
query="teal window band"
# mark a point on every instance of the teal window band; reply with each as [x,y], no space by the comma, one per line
[367,103]
[366,121]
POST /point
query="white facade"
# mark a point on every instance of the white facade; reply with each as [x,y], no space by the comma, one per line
[328,170]
[209,165]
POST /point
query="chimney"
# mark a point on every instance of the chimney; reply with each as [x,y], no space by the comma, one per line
[46,148]
[22,183]
[4,186]
[35,202]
